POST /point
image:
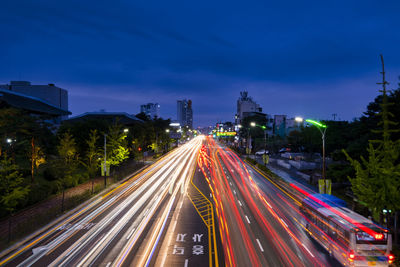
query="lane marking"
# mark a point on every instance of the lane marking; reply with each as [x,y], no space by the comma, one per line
[186,263]
[247,218]
[284,222]
[108,264]
[234,192]
[240,203]
[308,251]
[259,244]
[133,230]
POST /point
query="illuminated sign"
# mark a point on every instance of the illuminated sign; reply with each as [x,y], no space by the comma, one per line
[226,133]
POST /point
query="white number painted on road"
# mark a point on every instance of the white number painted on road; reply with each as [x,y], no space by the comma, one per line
[198,250]
[178,250]
[197,237]
[180,237]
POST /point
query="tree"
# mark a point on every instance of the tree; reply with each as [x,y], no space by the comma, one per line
[66,163]
[377,179]
[117,150]
[36,156]
[92,155]
[12,189]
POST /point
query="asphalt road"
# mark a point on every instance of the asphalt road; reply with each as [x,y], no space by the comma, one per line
[128,226]
[200,205]
[260,223]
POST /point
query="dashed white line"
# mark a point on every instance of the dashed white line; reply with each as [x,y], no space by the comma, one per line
[247,218]
[108,264]
[284,222]
[240,203]
[234,192]
[308,251]
[186,263]
[259,244]
[133,230]
[230,183]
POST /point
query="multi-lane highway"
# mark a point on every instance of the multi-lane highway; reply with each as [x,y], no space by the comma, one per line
[259,221]
[199,205]
[125,227]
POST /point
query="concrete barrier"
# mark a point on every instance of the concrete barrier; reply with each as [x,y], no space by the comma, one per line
[282,163]
[304,176]
[302,165]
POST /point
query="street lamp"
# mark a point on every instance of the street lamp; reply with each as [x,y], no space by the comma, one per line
[126,130]
[253,124]
[299,119]
[322,128]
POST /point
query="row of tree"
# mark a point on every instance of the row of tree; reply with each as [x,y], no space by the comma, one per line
[37,160]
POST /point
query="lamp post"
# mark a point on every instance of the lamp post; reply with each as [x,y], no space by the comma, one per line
[253,124]
[322,128]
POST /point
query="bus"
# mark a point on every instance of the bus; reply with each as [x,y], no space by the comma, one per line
[347,236]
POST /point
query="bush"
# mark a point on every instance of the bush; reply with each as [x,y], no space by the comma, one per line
[339,172]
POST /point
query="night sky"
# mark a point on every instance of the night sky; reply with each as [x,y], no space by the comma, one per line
[309,58]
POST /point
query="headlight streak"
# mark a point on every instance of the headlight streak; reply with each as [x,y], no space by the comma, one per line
[104,206]
[116,211]
[131,243]
[94,214]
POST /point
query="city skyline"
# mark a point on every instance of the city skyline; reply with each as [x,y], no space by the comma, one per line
[313,61]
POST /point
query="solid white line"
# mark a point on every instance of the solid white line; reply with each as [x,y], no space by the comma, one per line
[259,244]
[247,218]
[186,263]
[240,203]
[133,230]
[308,251]
[108,264]
[173,227]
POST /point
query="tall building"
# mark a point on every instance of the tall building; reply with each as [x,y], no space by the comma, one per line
[280,125]
[151,110]
[185,113]
[41,98]
[246,107]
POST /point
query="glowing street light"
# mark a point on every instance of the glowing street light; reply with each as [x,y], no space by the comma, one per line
[126,130]
[299,119]
[321,126]
[167,130]
[253,124]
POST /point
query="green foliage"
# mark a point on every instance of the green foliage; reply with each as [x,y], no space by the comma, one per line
[12,189]
[117,150]
[66,163]
[339,173]
[377,178]
[92,154]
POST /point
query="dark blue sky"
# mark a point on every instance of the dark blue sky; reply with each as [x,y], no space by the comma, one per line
[309,58]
